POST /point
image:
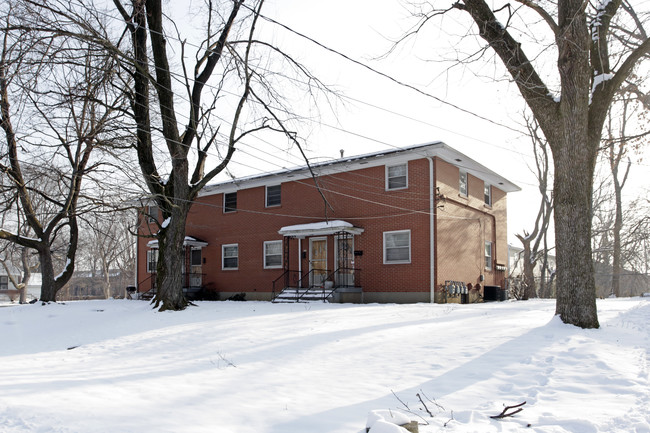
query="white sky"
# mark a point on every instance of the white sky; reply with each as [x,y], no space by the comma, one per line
[382,114]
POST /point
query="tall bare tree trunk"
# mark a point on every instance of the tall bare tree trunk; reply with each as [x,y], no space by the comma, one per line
[48,287]
[576,286]
[171,255]
[618,226]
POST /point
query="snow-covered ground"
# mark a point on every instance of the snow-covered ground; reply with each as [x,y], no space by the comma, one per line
[252,367]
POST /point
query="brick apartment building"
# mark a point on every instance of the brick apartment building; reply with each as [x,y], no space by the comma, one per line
[419,224]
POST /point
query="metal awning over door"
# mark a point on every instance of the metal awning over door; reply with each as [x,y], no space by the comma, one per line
[323,228]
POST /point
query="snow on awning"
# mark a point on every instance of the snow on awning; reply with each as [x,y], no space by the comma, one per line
[188,242]
[320,229]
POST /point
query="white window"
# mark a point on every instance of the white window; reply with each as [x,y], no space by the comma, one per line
[273,195]
[230,256]
[152,260]
[488,256]
[397,247]
[230,202]
[4,282]
[152,212]
[487,194]
[272,254]
[462,183]
[397,176]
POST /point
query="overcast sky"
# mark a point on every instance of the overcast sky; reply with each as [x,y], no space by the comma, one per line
[377,113]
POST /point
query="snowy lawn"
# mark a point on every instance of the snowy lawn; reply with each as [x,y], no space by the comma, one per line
[252,367]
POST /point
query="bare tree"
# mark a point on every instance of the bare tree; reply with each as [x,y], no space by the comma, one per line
[532,241]
[620,142]
[108,249]
[230,93]
[598,46]
[56,103]
[635,241]
[231,64]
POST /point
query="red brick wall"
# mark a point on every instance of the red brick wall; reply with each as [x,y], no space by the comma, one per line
[357,196]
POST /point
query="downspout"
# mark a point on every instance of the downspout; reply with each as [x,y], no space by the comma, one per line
[137,260]
[300,263]
[432,249]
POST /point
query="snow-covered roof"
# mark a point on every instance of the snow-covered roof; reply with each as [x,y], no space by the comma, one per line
[427,150]
[320,228]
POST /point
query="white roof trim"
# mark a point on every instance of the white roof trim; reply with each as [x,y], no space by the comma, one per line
[188,242]
[320,229]
[388,156]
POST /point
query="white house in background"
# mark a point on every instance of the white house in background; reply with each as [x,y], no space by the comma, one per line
[516,262]
[9,292]
[631,283]
[516,269]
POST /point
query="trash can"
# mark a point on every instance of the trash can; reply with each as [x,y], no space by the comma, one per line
[491,293]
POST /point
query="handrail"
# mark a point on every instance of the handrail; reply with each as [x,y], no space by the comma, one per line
[307,275]
[330,276]
[298,281]
[152,289]
[276,280]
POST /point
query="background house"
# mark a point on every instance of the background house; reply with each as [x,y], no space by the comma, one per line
[631,283]
[516,273]
[8,291]
[418,224]
[92,285]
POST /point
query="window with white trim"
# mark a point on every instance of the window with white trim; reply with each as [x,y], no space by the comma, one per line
[273,195]
[396,176]
[488,256]
[230,202]
[397,247]
[4,282]
[487,194]
[152,213]
[462,183]
[272,254]
[152,260]
[230,256]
